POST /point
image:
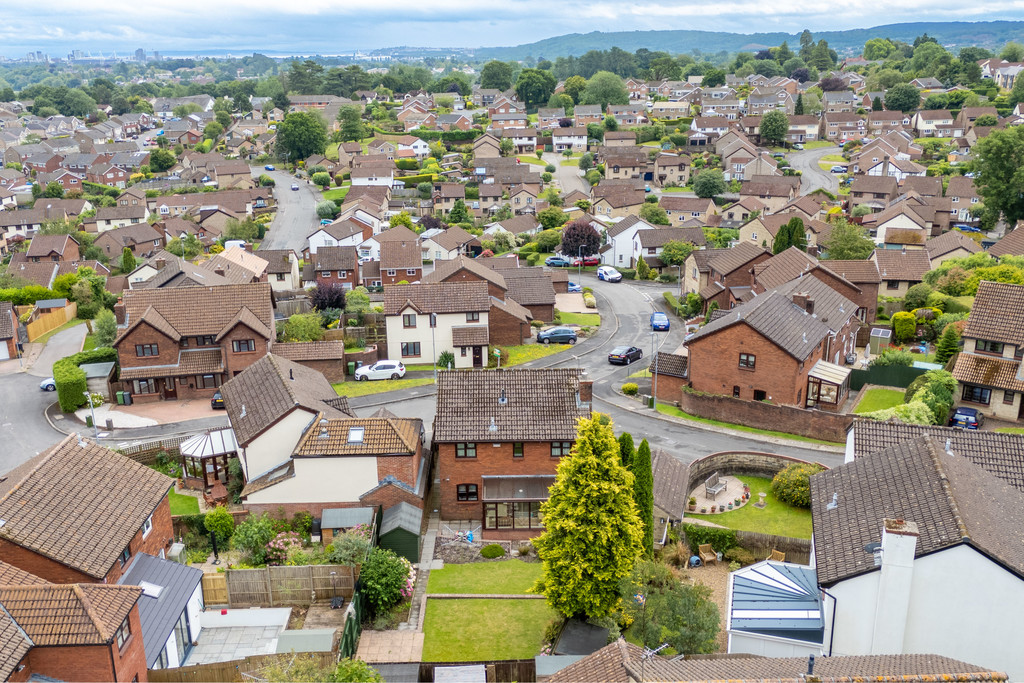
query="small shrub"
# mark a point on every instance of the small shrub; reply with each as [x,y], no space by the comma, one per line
[386,578]
[492,551]
[793,486]
[589,301]
[446,359]
[676,554]
[740,555]
[197,555]
[721,540]
[630,389]
[733,566]
[525,549]
[537,323]
[220,522]
[348,548]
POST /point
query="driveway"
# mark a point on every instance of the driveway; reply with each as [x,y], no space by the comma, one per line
[568,177]
[812,176]
[296,212]
[62,344]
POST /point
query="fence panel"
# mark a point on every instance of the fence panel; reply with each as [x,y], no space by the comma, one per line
[234,671]
[51,321]
[885,375]
[290,585]
[248,588]
[331,581]
[798,550]
[353,627]
[215,589]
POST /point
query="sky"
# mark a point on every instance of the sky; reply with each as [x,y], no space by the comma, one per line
[343,26]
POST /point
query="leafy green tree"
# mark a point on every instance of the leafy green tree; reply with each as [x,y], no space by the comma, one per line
[301,135]
[626,450]
[187,248]
[551,218]
[791,234]
[949,344]
[643,271]
[402,218]
[252,536]
[774,127]
[1012,52]
[304,78]
[352,127]
[547,240]
[326,209]
[459,213]
[534,86]
[496,75]
[709,183]
[605,88]
[506,147]
[127,260]
[105,325]
[160,160]
[653,214]
[847,242]
[986,119]
[303,327]
[902,97]
[323,179]
[999,165]
[713,78]
[586,162]
[574,87]
[593,534]
[643,493]
[665,610]
[53,190]
[917,296]
[876,104]
[675,252]
[213,130]
[221,524]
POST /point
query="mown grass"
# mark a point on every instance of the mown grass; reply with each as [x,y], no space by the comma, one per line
[353,388]
[581,319]
[517,355]
[879,399]
[182,504]
[477,630]
[776,518]
[510,577]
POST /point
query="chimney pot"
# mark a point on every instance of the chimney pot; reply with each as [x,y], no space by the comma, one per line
[586,391]
[219,270]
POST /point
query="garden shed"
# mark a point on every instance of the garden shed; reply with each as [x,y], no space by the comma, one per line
[400,530]
[337,520]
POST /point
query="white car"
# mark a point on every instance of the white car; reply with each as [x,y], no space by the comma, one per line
[608,274]
[382,369]
[48,384]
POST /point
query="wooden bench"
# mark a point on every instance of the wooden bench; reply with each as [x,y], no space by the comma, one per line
[707,555]
[713,486]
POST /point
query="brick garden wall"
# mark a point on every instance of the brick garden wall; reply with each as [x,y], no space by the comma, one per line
[810,423]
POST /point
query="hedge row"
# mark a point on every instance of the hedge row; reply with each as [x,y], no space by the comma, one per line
[70,379]
[673,303]
[721,540]
[101,189]
[455,135]
[28,295]
[414,180]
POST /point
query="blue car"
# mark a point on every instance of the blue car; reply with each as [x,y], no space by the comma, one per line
[659,321]
[966,418]
[557,262]
[575,287]
[269,167]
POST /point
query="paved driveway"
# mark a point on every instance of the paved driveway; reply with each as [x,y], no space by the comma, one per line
[569,177]
[24,431]
[62,344]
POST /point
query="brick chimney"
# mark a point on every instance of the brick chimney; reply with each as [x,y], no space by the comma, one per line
[119,312]
[219,270]
[248,247]
[800,299]
[885,165]
[160,263]
[586,391]
[892,601]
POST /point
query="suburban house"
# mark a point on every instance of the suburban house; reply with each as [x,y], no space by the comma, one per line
[950,244]
[400,260]
[906,536]
[58,519]
[238,265]
[142,239]
[348,232]
[901,269]
[875,191]
[619,249]
[773,191]
[788,344]
[333,266]
[53,248]
[648,244]
[730,275]
[682,209]
[936,123]
[185,341]
[989,366]
[574,138]
[525,225]
[449,243]
[424,320]
[672,169]
[499,436]
[1010,244]
[617,202]
[165,269]
[963,195]
[282,269]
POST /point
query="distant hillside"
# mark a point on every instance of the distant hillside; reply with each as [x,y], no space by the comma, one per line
[990,34]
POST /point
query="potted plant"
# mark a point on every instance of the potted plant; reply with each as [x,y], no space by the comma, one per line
[737,502]
[730,506]
[703,511]
[692,505]
[713,507]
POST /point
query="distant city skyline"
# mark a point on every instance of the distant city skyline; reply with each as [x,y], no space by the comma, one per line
[341,26]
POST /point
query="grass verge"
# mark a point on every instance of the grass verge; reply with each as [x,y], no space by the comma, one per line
[581,319]
[66,326]
[182,504]
[532,160]
[817,144]
[675,412]
[337,195]
[482,630]
[1011,430]
[90,342]
[352,389]
[776,518]
[510,577]
[517,355]
[879,399]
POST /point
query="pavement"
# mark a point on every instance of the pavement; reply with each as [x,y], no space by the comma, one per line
[60,345]
[812,176]
[296,211]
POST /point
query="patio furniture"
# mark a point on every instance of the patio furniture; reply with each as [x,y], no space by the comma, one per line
[713,486]
[777,556]
[707,554]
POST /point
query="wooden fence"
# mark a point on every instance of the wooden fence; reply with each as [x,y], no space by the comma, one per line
[289,586]
[523,670]
[798,550]
[215,589]
[51,321]
[234,671]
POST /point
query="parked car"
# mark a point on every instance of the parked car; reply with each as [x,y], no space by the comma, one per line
[586,261]
[966,418]
[798,146]
[269,167]
[558,335]
[217,402]
[295,186]
[837,169]
[778,155]
[325,221]
[575,287]
[557,262]
[48,384]
[647,188]
[608,274]
[382,369]
[624,355]
[659,321]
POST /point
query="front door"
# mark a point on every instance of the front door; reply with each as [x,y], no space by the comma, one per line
[170,389]
[478,357]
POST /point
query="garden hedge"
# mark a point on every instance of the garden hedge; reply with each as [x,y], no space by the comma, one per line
[28,295]
[70,379]
[721,540]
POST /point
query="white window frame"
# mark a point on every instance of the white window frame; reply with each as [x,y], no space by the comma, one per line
[147,526]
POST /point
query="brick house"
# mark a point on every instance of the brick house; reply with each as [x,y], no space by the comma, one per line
[671,372]
[425,319]
[326,357]
[400,260]
[682,209]
[989,366]
[901,269]
[107,174]
[80,513]
[671,168]
[334,266]
[648,244]
[793,264]
[730,272]
[499,436]
[776,347]
[53,248]
[141,238]
[183,342]
[110,217]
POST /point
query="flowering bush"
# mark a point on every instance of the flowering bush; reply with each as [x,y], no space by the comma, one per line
[277,549]
[387,579]
[792,485]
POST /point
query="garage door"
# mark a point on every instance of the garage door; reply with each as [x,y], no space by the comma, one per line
[4,353]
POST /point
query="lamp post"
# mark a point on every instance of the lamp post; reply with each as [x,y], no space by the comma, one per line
[679,271]
[433,344]
[95,429]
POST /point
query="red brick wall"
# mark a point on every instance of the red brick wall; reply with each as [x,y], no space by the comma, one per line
[668,388]
[42,567]
[714,366]
[489,460]
[159,538]
[811,423]
[463,275]
[333,370]
[505,329]
[404,468]
[236,362]
[545,312]
[389,495]
[94,662]
[399,275]
[146,334]
[332,278]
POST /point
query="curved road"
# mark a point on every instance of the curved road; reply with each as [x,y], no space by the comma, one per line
[296,211]
[812,176]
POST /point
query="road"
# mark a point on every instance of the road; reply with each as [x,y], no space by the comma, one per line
[23,429]
[812,176]
[59,346]
[568,177]
[296,212]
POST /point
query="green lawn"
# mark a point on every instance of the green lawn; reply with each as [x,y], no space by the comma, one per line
[420,367]
[337,195]
[507,577]
[646,372]
[353,388]
[827,165]
[1011,430]
[684,188]
[517,355]
[183,505]
[775,518]
[924,357]
[966,300]
[570,162]
[879,399]
[675,412]
[582,319]
[817,144]
[68,325]
[90,342]
[482,630]
[532,160]
[839,158]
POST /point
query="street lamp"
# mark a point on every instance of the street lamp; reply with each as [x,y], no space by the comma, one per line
[679,270]
[95,429]
[433,344]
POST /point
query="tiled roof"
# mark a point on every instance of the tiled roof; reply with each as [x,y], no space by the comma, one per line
[400,255]
[453,237]
[671,364]
[529,286]
[860,271]
[71,614]
[278,260]
[620,662]
[342,229]
[512,308]
[41,273]
[11,575]
[192,311]
[988,372]
[518,224]
[659,237]
[318,350]
[670,483]
[1011,244]
[335,258]
[540,405]
[399,233]
[190,362]
[14,645]
[239,257]
[952,500]
[873,184]
[79,505]
[6,322]
[443,270]
[997,313]
[726,261]
[375,436]
[437,297]
[269,389]
[43,245]
[895,264]
[789,265]
[470,335]
[673,202]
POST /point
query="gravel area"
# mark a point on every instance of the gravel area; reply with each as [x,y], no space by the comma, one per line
[463,553]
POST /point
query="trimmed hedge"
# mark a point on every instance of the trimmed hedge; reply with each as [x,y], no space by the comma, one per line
[721,540]
[70,380]
[411,181]
[447,135]
[28,295]
[793,484]
[492,551]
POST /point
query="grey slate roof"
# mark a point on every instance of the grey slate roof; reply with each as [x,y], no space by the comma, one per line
[401,516]
[345,518]
[159,615]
